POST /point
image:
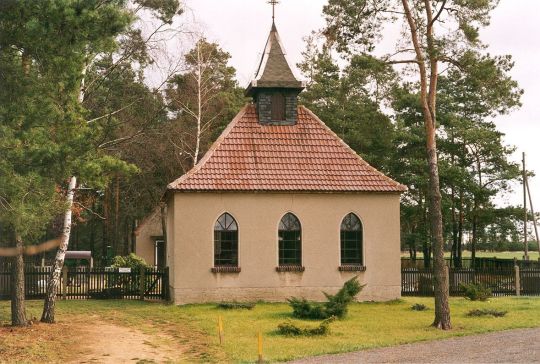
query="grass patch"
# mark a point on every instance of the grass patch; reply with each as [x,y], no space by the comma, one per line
[368,325]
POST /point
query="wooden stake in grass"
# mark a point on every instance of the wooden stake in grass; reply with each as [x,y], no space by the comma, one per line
[259,342]
[220,330]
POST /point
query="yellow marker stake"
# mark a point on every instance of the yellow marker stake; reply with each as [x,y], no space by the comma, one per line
[260,348]
[220,330]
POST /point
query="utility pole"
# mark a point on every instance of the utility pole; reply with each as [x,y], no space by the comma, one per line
[534,218]
[525,243]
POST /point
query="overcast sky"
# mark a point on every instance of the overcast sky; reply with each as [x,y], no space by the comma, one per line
[241,28]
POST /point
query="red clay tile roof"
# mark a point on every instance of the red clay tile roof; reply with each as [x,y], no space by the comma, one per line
[306,157]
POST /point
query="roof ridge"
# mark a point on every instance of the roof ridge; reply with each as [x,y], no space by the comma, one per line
[350,150]
[211,150]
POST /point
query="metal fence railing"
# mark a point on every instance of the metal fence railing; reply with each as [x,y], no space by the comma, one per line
[98,283]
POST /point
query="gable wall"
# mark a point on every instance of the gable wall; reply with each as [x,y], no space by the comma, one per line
[258,214]
[144,237]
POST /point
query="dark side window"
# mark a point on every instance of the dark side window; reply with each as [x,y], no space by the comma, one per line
[351,240]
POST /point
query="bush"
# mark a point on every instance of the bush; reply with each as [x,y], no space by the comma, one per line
[132,261]
[129,283]
[486,312]
[419,307]
[303,308]
[335,306]
[107,293]
[288,328]
[476,291]
[236,305]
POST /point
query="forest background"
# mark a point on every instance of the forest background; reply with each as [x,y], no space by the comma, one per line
[147,127]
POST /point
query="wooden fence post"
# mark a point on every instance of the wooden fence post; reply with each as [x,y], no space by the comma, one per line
[141,283]
[518,282]
[448,283]
[64,282]
[165,281]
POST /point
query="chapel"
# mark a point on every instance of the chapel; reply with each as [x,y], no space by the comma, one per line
[280,206]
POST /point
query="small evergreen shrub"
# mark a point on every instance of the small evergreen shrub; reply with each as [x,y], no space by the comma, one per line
[335,306]
[476,291]
[419,307]
[486,312]
[288,328]
[234,305]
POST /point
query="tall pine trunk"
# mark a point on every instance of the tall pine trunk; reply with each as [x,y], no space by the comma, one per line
[54,279]
[18,309]
[428,101]
[440,273]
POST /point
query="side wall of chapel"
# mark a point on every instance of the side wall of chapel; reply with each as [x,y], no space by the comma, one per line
[191,219]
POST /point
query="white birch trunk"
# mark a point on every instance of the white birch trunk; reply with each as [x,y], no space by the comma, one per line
[199,105]
[54,279]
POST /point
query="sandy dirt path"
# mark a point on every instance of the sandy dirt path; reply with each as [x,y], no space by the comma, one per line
[104,342]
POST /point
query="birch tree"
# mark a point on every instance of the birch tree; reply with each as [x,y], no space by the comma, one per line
[42,127]
[93,48]
[200,95]
[435,33]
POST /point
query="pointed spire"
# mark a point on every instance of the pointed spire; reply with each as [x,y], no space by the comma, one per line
[274,70]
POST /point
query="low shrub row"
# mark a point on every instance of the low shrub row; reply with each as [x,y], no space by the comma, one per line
[288,328]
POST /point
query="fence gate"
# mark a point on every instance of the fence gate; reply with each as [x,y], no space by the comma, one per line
[529,279]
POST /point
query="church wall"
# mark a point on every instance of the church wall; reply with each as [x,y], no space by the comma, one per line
[258,214]
[171,228]
[144,236]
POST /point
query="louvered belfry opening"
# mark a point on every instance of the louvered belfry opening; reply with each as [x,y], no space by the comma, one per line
[275,89]
[278,106]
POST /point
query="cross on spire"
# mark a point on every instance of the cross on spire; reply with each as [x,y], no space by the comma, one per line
[273,3]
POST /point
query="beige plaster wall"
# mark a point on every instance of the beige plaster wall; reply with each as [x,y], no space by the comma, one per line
[144,241]
[190,245]
[170,227]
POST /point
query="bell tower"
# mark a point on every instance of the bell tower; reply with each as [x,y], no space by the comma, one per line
[275,89]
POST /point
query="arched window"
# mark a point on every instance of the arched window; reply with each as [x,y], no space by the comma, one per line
[226,241]
[290,241]
[351,240]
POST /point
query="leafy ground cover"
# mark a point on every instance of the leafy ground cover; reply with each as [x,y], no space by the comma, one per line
[194,327]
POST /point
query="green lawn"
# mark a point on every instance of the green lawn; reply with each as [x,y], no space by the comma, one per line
[533,255]
[368,325]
